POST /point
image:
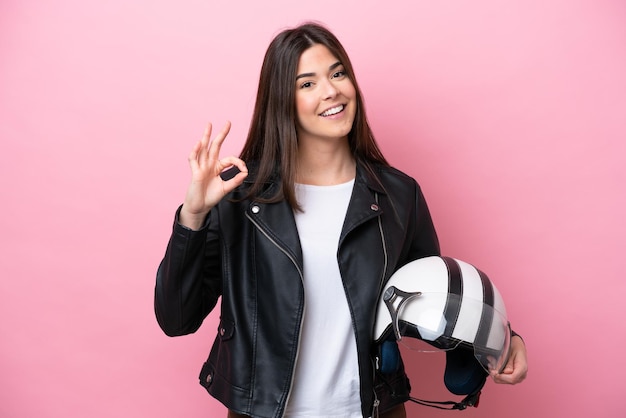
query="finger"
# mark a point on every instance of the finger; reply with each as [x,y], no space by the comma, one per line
[503,379]
[198,152]
[193,155]
[204,142]
[513,373]
[509,379]
[226,162]
[503,376]
[216,144]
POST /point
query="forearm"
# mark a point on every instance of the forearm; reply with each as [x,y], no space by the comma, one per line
[187,286]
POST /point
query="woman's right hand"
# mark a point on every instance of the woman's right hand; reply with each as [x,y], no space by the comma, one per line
[207,187]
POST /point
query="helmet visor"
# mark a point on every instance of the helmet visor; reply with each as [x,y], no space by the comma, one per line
[428,322]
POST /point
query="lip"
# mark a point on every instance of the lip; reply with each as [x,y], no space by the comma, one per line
[331,107]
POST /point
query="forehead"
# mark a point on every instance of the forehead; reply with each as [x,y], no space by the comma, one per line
[316,58]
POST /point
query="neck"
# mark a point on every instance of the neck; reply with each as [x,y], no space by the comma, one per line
[325,166]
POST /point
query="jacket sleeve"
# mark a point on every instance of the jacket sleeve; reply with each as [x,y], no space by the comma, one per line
[188,280]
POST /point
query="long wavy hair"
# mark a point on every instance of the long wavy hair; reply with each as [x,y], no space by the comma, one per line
[272,140]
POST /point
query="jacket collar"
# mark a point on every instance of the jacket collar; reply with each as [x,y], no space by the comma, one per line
[365,173]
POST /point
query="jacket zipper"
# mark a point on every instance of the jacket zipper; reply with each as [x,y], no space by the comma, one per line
[385,254]
[301,274]
[380,288]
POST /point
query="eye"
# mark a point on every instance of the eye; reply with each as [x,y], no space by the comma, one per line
[339,74]
[306,84]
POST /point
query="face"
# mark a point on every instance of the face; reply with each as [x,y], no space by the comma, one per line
[325,96]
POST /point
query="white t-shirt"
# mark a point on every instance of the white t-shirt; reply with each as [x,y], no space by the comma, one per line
[326,381]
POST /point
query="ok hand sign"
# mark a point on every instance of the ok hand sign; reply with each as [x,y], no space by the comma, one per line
[207,187]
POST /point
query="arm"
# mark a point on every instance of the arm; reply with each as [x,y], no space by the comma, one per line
[188,281]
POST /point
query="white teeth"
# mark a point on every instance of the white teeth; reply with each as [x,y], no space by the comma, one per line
[333,111]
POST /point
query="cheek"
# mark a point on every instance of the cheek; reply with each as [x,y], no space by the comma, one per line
[304,106]
[300,111]
[351,92]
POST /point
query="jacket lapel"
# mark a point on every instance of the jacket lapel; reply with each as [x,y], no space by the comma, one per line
[277,222]
[363,203]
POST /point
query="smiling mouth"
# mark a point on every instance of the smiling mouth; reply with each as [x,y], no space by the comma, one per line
[333,111]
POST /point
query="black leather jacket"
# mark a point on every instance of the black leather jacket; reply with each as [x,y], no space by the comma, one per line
[249,253]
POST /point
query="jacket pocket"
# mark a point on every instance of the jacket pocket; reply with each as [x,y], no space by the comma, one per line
[206,375]
[224,375]
[219,365]
[226,329]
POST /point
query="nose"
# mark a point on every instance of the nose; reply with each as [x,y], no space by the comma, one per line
[330,90]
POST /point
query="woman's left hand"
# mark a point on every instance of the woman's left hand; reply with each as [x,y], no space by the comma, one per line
[517,367]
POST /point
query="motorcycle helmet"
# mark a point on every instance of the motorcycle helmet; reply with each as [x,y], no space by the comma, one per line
[447,305]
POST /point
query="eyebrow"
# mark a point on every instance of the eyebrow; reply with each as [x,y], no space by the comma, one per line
[304,75]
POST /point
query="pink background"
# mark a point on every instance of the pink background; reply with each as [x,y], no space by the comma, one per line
[512,115]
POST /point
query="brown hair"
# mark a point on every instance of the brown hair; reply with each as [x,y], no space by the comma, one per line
[272,141]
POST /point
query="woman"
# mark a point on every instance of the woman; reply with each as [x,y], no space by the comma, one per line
[297,236]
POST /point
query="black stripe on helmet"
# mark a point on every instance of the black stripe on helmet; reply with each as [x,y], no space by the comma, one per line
[486,318]
[455,294]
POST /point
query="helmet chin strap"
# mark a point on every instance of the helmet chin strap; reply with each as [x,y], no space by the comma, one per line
[468,401]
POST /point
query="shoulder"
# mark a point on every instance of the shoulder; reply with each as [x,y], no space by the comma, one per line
[392,177]
[389,171]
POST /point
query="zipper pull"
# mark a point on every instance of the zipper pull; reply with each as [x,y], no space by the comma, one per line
[375,408]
